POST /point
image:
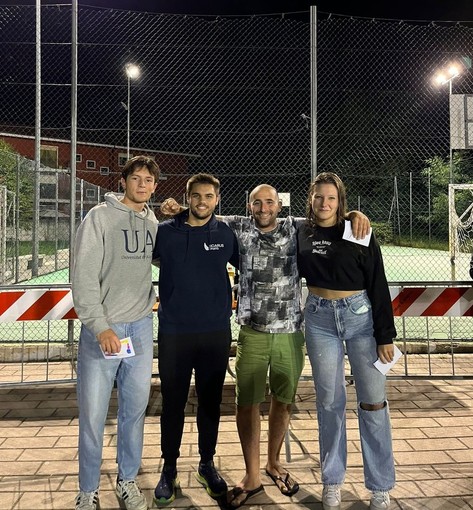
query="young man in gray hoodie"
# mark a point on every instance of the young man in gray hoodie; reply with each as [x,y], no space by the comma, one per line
[113,297]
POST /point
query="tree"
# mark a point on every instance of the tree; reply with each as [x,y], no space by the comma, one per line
[13,168]
[438,172]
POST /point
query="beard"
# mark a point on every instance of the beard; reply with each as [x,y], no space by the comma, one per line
[201,215]
[266,222]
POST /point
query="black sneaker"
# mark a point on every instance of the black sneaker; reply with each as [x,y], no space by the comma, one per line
[165,491]
[208,476]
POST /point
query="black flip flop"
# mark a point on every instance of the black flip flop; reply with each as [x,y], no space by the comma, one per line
[289,486]
[238,491]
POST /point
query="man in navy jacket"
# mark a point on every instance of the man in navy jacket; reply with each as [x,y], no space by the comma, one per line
[194,312]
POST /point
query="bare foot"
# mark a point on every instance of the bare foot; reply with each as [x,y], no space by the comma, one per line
[282,479]
[245,489]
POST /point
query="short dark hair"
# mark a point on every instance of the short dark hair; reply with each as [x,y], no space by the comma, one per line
[203,179]
[327,178]
[139,162]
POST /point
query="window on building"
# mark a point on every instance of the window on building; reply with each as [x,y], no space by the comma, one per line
[47,190]
[90,164]
[78,158]
[49,156]
[122,159]
[104,170]
[90,193]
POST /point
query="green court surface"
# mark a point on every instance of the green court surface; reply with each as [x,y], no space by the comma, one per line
[404,264]
[62,276]
[400,263]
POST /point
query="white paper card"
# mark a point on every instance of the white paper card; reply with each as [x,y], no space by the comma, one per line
[126,351]
[384,368]
[348,235]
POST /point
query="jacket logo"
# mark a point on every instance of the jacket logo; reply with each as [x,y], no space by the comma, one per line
[212,247]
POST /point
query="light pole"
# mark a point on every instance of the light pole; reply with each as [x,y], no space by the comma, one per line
[132,72]
[441,78]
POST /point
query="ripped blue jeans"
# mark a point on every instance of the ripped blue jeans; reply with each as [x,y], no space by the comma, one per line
[329,324]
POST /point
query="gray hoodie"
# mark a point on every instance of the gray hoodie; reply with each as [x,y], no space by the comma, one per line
[111,277]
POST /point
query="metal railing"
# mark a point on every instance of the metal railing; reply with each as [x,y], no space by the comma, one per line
[44,351]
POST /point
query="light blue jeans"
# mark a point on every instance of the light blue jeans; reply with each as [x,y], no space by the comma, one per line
[95,380]
[328,324]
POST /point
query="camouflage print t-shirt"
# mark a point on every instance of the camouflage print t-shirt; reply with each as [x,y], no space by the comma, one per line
[269,298]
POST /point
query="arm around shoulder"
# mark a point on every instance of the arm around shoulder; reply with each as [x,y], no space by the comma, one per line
[360,224]
[170,207]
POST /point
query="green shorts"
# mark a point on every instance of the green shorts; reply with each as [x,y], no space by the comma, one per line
[283,353]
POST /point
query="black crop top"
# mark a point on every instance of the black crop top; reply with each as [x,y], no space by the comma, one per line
[327,261]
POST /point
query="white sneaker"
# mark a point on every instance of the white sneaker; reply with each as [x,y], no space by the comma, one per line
[331,498]
[87,500]
[380,500]
[131,495]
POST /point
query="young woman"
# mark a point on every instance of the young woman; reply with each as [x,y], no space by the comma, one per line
[348,307]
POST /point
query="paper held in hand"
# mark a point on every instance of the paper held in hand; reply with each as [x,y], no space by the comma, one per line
[126,351]
[348,235]
[384,368]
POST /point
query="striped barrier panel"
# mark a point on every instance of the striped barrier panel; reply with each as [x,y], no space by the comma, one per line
[57,304]
[432,301]
[36,304]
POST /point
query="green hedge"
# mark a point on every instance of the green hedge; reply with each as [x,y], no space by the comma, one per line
[384,232]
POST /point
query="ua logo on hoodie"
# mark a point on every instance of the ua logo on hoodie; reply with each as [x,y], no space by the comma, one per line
[134,245]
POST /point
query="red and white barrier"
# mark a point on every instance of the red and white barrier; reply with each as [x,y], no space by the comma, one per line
[432,301]
[56,304]
[36,304]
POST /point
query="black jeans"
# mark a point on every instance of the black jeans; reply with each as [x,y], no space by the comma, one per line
[207,354]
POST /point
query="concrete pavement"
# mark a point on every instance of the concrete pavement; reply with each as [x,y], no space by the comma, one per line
[432,423]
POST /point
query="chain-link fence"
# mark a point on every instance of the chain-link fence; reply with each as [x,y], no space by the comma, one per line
[383,124]
[232,96]
[52,227]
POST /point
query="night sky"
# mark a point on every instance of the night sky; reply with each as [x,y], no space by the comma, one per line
[442,10]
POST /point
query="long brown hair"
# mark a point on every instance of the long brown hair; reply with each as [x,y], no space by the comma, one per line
[327,178]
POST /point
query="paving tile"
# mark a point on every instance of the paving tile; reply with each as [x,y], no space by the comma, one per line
[454,503]
[45,500]
[446,488]
[8,500]
[9,455]
[446,443]
[451,431]
[29,412]
[408,422]
[25,432]
[461,470]
[31,442]
[60,467]
[461,455]
[32,484]
[455,421]
[416,458]
[70,430]
[15,469]
[46,454]
[412,433]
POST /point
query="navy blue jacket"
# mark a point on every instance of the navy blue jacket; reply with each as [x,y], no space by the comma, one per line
[194,288]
